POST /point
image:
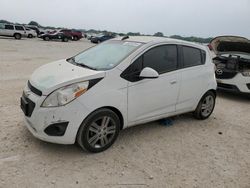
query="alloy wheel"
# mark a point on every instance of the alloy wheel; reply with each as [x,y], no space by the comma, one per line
[101,132]
[207,105]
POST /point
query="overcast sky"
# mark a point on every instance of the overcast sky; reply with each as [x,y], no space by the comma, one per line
[201,18]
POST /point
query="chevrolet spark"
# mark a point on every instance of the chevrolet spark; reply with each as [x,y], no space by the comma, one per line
[88,98]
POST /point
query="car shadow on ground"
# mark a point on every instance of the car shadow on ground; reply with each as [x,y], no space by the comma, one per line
[233,96]
[142,130]
[11,38]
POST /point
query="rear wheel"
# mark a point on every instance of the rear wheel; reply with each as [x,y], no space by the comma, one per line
[46,38]
[75,38]
[99,130]
[205,106]
[65,39]
[30,36]
[17,36]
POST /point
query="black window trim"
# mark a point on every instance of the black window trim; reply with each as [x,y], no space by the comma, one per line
[161,46]
[13,28]
[20,26]
[141,54]
[203,59]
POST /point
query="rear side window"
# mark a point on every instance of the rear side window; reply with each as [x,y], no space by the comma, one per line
[193,56]
[10,27]
[19,28]
[162,58]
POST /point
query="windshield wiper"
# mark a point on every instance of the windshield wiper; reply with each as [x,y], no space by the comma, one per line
[86,66]
[72,60]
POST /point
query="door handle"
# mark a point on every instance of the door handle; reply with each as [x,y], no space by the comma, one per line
[173,82]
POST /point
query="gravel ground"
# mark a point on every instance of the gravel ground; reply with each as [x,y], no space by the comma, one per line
[190,153]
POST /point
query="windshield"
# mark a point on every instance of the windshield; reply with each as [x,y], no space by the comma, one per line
[107,55]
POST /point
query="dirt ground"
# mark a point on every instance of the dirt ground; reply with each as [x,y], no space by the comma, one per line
[190,153]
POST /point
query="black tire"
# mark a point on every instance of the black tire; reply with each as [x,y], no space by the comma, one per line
[46,38]
[17,36]
[206,106]
[101,128]
[65,39]
[75,38]
[30,36]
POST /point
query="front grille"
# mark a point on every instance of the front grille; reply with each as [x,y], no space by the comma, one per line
[225,74]
[227,87]
[27,105]
[248,85]
[34,90]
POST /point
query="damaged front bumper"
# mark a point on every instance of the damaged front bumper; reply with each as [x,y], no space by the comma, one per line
[54,124]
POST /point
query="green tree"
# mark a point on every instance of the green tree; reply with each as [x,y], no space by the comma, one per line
[34,23]
[159,34]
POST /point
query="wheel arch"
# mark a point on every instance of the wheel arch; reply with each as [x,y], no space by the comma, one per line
[115,110]
[212,90]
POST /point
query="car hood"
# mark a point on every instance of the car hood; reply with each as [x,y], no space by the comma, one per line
[227,44]
[57,74]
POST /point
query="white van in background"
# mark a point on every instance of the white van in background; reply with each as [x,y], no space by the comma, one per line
[11,30]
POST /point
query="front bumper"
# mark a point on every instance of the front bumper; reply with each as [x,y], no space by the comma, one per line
[239,83]
[73,113]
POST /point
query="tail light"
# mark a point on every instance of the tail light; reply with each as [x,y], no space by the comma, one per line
[210,47]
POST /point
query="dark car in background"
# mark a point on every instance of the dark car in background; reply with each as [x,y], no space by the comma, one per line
[56,36]
[101,38]
[75,35]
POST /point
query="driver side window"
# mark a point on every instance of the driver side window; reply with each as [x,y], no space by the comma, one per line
[161,58]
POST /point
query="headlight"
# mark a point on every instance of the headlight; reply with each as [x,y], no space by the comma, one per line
[65,94]
[246,74]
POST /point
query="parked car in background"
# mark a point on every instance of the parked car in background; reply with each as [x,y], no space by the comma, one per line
[56,36]
[232,63]
[33,27]
[11,30]
[75,35]
[30,33]
[101,38]
[91,35]
[90,97]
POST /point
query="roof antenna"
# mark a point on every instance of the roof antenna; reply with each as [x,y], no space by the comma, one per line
[125,37]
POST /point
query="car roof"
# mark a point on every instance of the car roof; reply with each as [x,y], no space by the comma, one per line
[152,39]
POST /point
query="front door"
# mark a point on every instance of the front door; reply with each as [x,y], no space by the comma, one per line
[149,98]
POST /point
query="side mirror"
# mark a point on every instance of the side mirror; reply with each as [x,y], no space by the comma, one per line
[149,73]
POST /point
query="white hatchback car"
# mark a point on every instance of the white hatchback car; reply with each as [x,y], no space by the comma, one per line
[123,82]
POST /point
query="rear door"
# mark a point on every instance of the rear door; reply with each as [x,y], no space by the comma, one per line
[149,98]
[193,77]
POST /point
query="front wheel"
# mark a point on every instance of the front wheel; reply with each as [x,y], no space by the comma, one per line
[99,131]
[205,106]
[30,36]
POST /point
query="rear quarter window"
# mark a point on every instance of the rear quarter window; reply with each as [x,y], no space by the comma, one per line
[9,27]
[193,56]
